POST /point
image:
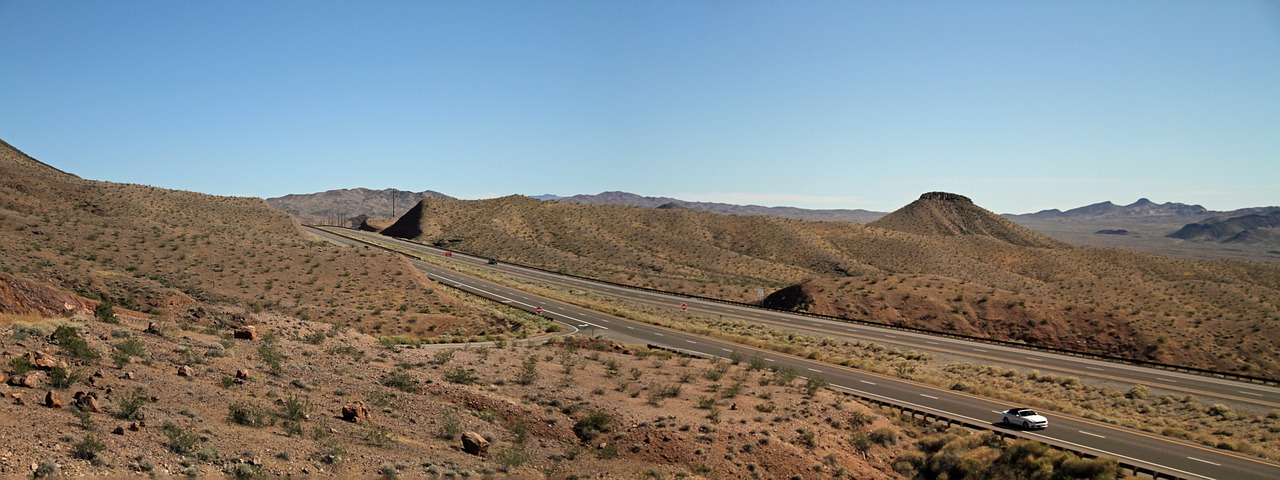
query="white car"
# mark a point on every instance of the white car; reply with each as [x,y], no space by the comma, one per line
[1025,418]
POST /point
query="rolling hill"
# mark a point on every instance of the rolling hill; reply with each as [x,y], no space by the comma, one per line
[353,205]
[940,263]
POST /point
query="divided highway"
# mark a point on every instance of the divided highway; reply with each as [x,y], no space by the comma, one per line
[1161,454]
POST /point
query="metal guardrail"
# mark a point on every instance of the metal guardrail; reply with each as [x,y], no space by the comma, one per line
[992,341]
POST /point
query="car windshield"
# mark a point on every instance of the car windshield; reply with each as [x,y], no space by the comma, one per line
[1026,413]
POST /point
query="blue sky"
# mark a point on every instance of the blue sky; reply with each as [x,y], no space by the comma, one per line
[844,104]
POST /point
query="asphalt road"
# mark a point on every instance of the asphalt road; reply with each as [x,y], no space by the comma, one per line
[1158,453]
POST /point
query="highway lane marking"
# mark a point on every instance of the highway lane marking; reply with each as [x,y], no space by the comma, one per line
[629,327]
[928,396]
[891,336]
[971,419]
[1251,393]
[768,359]
[813,370]
[1032,358]
[1093,434]
[1095,368]
[727,350]
[659,334]
[1205,461]
[1166,380]
[691,341]
[931,343]
[979,350]
[866,382]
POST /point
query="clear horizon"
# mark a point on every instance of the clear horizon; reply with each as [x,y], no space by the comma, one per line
[852,105]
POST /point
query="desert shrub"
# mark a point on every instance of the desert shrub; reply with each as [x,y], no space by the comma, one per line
[509,457]
[88,447]
[450,426]
[106,312]
[247,414]
[461,376]
[129,405]
[20,365]
[528,371]
[884,436]
[813,384]
[63,377]
[272,358]
[294,408]
[401,380]
[72,345]
[181,440]
[589,427]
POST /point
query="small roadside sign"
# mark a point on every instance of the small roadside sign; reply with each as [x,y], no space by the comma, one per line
[539,310]
[684,307]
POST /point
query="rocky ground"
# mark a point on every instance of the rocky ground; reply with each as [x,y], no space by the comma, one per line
[140,397]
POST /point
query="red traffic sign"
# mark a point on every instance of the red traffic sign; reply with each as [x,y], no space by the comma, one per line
[683,307]
[539,310]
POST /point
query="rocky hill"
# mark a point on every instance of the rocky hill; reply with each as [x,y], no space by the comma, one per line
[1255,228]
[948,214]
[173,254]
[349,207]
[945,264]
[631,199]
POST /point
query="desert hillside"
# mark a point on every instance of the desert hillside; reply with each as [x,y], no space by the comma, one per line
[945,264]
[177,254]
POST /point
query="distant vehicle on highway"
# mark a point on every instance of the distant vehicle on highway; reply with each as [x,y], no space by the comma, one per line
[1025,418]
[493,262]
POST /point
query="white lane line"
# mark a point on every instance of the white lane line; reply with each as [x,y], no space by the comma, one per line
[813,370]
[891,336]
[866,382]
[691,341]
[1205,461]
[971,419]
[768,359]
[727,350]
[979,350]
[1166,380]
[602,327]
[629,327]
[928,396]
[1092,434]
[931,343]
[659,334]
[1033,358]
[1251,393]
[1095,368]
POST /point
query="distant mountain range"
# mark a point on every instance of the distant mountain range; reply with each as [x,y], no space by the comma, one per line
[631,199]
[350,206]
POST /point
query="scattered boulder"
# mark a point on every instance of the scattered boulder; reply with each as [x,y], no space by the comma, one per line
[355,412]
[118,431]
[88,401]
[135,426]
[248,332]
[44,361]
[186,371]
[127,376]
[475,444]
[17,399]
[31,379]
[53,399]
[242,374]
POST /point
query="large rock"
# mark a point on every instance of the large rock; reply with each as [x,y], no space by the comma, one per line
[53,399]
[186,371]
[44,361]
[248,332]
[475,444]
[355,412]
[31,379]
[88,401]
